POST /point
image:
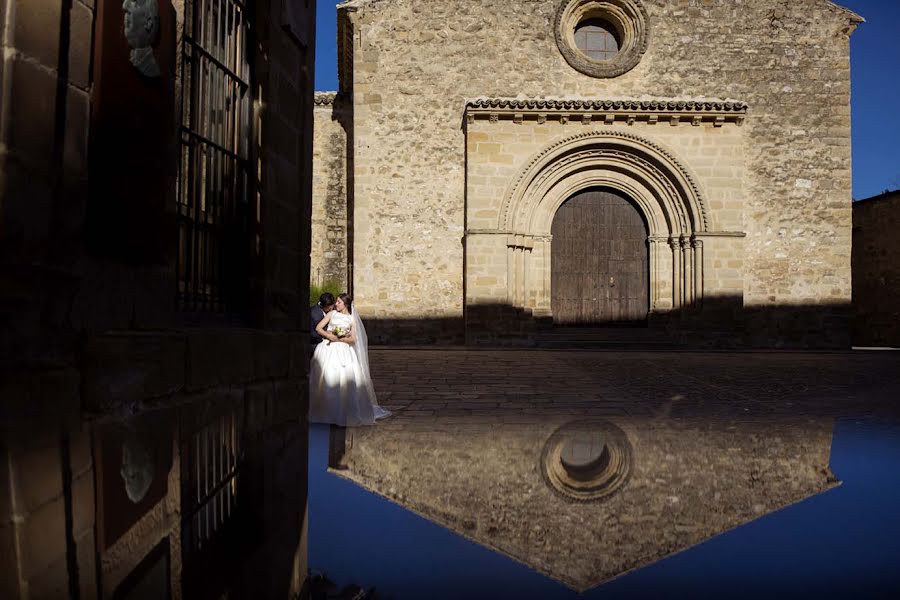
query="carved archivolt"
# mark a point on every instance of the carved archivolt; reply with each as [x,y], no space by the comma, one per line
[679,205]
[665,191]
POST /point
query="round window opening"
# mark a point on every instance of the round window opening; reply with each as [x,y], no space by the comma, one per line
[587,460]
[602,38]
[597,39]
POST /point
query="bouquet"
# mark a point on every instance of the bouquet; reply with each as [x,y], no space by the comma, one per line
[341,332]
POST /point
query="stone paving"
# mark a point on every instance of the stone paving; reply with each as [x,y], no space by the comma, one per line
[527,385]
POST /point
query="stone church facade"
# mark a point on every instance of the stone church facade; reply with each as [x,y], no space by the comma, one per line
[489,169]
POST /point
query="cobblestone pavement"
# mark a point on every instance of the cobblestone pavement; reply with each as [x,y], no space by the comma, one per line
[528,385]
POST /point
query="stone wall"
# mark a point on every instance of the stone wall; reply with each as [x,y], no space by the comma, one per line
[89,335]
[328,258]
[415,63]
[876,271]
[711,154]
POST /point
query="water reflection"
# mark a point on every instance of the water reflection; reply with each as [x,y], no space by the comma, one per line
[474,511]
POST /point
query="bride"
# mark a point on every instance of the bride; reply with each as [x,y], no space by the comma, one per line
[340,386]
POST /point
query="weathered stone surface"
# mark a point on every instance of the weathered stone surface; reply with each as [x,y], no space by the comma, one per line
[32,98]
[9,578]
[876,271]
[51,583]
[123,369]
[328,256]
[220,357]
[43,540]
[688,482]
[83,504]
[33,20]
[86,565]
[81,36]
[783,181]
[272,355]
[36,478]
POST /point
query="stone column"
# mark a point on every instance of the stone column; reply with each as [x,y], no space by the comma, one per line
[677,279]
[527,250]
[512,273]
[698,271]
[543,307]
[656,249]
[688,271]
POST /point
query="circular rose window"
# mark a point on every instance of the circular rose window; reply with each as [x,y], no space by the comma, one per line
[602,38]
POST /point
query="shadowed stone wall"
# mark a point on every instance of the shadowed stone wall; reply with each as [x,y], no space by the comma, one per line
[411,65]
[328,258]
[90,340]
[876,271]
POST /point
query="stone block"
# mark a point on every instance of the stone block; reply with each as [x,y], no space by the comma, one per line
[153,306]
[83,504]
[81,23]
[33,102]
[86,555]
[75,149]
[37,405]
[272,355]
[36,477]
[259,401]
[283,139]
[43,540]
[36,30]
[123,369]
[9,562]
[51,583]
[80,455]
[26,210]
[220,358]
[300,353]
[291,401]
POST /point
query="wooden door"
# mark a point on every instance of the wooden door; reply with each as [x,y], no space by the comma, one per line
[600,265]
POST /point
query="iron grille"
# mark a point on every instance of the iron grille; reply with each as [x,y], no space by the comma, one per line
[215,186]
[214,456]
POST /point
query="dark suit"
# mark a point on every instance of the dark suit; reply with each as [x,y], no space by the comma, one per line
[316,314]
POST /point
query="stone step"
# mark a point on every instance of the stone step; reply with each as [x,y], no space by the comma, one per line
[602,333]
[605,338]
[649,346]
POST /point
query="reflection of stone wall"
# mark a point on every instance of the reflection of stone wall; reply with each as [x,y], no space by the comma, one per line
[689,481]
[415,63]
[328,257]
[876,271]
[88,338]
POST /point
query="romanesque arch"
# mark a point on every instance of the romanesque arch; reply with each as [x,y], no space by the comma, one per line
[667,194]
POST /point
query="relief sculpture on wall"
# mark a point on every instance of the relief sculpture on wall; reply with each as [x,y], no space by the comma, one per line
[142,31]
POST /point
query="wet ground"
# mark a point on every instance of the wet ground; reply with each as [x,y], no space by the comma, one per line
[564,474]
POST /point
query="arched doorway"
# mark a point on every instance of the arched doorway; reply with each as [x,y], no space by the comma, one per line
[599,261]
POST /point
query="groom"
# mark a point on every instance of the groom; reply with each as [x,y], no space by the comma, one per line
[317,312]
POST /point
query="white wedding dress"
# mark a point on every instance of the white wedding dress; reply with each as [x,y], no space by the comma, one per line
[340,386]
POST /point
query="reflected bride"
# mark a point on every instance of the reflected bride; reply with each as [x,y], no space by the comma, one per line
[341,390]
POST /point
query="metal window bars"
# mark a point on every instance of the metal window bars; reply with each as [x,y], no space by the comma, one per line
[212,461]
[215,185]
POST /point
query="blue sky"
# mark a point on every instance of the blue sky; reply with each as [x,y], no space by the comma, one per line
[875,64]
